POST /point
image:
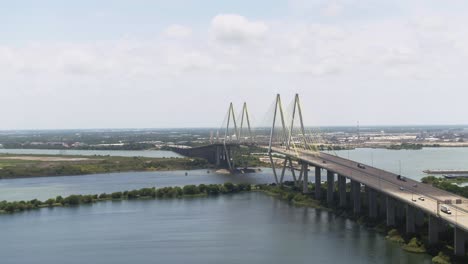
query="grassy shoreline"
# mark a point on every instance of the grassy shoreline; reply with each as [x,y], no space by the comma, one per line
[27,166]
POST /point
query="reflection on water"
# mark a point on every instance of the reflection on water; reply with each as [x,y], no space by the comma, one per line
[240,228]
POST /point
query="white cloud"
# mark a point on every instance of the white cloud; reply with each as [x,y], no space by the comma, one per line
[236,28]
[392,46]
[333,9]
[320,58]
[178,31]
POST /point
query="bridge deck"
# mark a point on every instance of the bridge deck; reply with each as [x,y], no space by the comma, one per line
[387,182]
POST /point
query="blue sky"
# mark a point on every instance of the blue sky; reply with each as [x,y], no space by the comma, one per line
[141,63]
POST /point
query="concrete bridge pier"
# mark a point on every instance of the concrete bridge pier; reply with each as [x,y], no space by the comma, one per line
[218,155]
[372,202]
[410,221]
[305,178]
[318,182]
[231,158]
[356,194]
[330,186]
[390,211]
[434,229]
[342,190]
[382,204]
[419,217]
[399,211]
[459,241]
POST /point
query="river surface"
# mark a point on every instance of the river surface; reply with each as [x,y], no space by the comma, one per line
[239,228]
[410,163]
[76,152]
[413,162]
[248,227]
[46,187]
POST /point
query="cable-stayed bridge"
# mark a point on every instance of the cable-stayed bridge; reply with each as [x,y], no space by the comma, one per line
[283,136]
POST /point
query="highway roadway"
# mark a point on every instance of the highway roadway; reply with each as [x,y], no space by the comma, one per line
[386,182]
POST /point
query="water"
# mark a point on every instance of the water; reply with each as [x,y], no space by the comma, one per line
[413,162]
[75,152]
[250,227]
[46,187]
[240,228]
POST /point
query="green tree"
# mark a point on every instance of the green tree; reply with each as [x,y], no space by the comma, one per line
[50,201]
[116,195]
[179,192]
[202,188]
[230,187]
[59,199]
[72,200]
[212,189]
[103,196]
[133,194]
[190,189]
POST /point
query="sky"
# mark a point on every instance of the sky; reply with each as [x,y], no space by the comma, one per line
[151,64]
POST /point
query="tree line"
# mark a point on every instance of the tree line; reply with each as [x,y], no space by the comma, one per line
[144,193]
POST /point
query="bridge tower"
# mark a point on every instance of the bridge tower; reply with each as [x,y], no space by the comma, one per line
[228,136]
[278,108]
[284,138]
[245,116]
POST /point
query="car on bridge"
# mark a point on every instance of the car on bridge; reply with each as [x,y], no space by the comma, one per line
[445,209]
[359,165]
[401,178]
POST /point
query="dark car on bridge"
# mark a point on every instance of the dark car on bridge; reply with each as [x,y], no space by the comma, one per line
[401,178]
[359,165]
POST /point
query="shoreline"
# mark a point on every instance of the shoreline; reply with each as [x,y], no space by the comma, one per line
[289,194]
[16,166]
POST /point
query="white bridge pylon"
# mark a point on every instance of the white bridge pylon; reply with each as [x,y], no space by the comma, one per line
[235,134]
[287,135]
[287,138]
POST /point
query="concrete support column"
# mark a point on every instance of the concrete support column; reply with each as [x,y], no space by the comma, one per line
[342,190]
[231,158]
[382,204]
[419,218]
[399,210]
[434,228]
[410,226]
[318,182]
[372,202]
[390,211]
[356,196]
[305,178]
[218,156]
[330,186]
[459,241]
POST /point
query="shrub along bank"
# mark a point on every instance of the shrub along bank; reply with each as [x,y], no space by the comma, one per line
[144,193]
